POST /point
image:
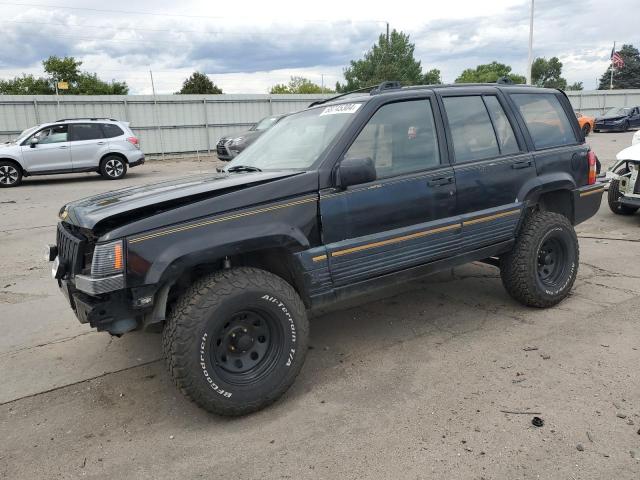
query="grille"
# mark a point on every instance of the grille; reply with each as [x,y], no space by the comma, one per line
[70,248]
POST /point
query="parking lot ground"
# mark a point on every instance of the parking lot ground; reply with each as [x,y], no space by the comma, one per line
[409,382]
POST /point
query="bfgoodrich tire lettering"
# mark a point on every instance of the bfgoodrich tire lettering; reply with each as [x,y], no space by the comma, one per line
[236,340]
[542,267]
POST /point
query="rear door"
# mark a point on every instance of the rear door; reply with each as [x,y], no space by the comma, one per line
[88,145]
[491,165]
[406,216]
[635,117]
[50,154]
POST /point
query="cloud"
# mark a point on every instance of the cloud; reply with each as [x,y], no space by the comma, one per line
[255,46]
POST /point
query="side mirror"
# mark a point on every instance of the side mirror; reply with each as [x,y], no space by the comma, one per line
[33,141]
[354,171]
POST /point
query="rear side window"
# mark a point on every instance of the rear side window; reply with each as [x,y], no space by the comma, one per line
[546,120]
[85,131]
[471,128]
[110,130]
[399,138]
[506,138]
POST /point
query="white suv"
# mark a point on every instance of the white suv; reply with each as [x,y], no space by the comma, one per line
[71,145]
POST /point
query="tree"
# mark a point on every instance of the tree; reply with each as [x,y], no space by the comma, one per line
[489,73]
[62,69]
[26,85]
[392,60]
[626,77]
[575,86]
[199,83]
[299,85]
[547,73]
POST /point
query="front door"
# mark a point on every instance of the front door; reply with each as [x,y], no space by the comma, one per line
[50,154]
[404,217]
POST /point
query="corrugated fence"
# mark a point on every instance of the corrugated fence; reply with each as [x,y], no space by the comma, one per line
[189,123]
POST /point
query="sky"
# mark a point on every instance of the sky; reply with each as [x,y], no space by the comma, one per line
[248,46]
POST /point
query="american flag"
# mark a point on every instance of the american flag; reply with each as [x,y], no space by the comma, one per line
[616,59]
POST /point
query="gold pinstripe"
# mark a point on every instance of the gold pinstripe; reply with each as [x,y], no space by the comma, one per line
[390,241]
[490,217]
[319,258]
[591,192]
[221,219]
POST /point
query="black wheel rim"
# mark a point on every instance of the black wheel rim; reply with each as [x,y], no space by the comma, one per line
[246,346]
[552,260]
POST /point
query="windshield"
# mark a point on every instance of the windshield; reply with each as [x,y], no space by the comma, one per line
[265,123]
[297,140]
[617,111]
[25,133]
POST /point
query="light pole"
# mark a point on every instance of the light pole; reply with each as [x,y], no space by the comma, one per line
[530,62]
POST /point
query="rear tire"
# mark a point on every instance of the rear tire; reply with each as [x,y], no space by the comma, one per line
[236,340]
[542,267]
[10,174]
[613,197]
[585,130]
[113,167]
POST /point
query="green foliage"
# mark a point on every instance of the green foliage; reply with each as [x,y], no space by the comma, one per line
[26,85]
[62,69]
[387,61]
[299,85]
[199,83]
[547,73]
[489,73]
[575,86]
[627,76]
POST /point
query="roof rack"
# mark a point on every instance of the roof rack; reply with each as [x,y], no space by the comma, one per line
[325,100]
[87,118]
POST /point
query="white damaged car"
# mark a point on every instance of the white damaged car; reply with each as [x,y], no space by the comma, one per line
[624,189]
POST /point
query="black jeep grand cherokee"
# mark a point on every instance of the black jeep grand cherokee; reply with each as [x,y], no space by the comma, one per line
[351,194]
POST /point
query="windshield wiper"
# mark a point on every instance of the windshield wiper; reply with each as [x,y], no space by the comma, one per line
[243,168]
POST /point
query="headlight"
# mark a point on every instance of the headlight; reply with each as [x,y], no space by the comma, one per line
[108,259]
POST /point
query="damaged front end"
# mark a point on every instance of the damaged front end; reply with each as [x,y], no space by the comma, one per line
[625,173]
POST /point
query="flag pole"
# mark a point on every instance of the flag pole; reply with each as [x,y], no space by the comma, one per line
[530,59]
[613,53]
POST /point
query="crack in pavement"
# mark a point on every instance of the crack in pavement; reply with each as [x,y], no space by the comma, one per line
[60,387]
[634,240]
[54,342]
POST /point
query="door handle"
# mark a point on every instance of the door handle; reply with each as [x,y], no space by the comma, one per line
[101,143]
[440,181]
[63,146]
[518,165]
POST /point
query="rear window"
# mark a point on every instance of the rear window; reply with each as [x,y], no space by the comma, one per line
[110,130]
[546,120]
[85,131]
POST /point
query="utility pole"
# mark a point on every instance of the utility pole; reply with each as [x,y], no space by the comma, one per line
[611,67]
[530,62]
[155,112]
[387,34]
[322,82]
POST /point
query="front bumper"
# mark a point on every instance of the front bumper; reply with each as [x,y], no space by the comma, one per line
[609,126]
[586,202]
[630,201]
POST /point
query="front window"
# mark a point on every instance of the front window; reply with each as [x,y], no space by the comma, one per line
[54,134]
[298,140]
[617,111]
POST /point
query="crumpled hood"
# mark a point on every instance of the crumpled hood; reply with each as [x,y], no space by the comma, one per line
[629,153]
[612,117]
[249,136]
[133,203]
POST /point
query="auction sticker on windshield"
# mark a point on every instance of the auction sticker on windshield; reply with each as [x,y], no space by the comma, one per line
[343,108]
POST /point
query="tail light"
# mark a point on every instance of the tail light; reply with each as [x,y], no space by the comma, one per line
[134,141]
[591,159]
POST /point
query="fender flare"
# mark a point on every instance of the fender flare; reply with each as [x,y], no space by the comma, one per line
[199,249]
[531,191]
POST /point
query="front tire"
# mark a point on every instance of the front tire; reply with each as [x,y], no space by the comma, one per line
[10,174]
[585,130]
[113,167]
[236,340]
[613,197]
[542,267]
